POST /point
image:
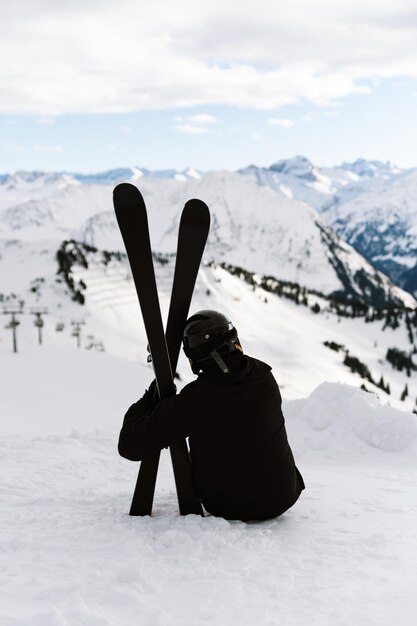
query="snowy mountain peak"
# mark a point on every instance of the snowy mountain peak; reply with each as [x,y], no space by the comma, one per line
[192,173]
[22,180]
[132,174]
[372,169]
[34,181]
[298,166]
[110,177]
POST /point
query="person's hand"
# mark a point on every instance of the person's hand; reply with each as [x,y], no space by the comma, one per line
[151,397]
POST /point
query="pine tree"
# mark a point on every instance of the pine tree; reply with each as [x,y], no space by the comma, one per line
[381,384]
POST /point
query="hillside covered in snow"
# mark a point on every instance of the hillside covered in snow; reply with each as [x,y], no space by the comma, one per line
[299,293]
[253,226]
[370,204]
[308,336]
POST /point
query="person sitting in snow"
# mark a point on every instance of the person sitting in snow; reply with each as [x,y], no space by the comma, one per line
[243,467]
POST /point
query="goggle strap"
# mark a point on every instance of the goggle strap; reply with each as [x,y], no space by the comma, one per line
[216,356]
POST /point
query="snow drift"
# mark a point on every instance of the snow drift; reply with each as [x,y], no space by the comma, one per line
[346,422]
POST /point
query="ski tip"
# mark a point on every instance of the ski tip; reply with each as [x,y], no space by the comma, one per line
[126,194]
[125,188]
[194,205]
[196,202]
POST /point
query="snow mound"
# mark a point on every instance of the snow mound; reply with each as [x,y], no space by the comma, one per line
[344,419]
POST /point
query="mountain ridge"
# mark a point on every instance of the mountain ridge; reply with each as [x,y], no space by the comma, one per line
[252,227]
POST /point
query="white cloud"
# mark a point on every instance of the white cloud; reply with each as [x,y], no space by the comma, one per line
[126,129]
[194,124]
[106,57]
[202,118]
[46,121]
[281,122]
[41,148]
[12,146]
[191,129]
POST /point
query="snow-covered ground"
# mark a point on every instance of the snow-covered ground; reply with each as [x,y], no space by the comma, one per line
[70,554]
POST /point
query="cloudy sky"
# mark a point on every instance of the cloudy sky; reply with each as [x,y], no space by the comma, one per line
[92,84]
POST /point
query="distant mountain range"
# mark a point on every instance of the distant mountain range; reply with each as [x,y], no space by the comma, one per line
[265,219]
[21,178]
[370,204]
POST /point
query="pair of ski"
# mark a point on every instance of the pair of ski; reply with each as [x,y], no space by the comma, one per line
[164,348]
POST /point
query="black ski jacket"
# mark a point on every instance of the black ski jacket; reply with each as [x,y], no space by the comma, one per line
[242,463]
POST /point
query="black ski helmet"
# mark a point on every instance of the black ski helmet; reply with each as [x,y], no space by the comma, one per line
[206,334]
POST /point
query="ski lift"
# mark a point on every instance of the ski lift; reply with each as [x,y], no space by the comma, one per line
[59,327]
[13,324]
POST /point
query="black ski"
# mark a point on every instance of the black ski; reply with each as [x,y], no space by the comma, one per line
[192,237]
[131,216]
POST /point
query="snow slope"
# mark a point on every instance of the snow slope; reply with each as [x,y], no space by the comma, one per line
[22,186]
[382,225]
[344,554]
[322,187]
[370,204]
[252,226]
[57,214]
[290,336]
